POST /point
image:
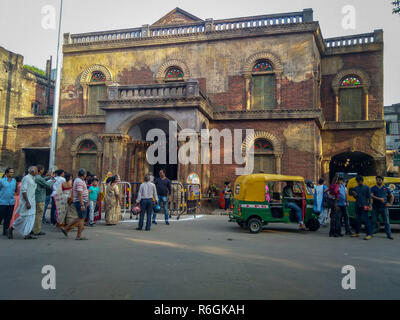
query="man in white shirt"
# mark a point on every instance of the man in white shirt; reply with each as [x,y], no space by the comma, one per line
[147,191]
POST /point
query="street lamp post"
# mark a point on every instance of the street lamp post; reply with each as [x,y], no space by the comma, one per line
[54,127]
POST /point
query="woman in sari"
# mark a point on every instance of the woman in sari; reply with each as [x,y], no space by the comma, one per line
[16,197]
[112,202]
[67,211]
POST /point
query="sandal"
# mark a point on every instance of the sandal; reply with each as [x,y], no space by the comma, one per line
[63,231]
[83,238]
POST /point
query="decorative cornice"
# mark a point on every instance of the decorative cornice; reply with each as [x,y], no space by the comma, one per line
[354,125]
[63,119]
[198,37]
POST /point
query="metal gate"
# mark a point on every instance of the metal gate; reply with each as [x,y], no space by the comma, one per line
[192,198]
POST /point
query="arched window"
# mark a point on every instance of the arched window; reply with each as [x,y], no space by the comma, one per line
[87,155]
[97,91]
[262,86]
[264,158]
[351,99]
[174,74]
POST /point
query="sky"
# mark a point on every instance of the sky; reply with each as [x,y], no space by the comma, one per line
[26,30]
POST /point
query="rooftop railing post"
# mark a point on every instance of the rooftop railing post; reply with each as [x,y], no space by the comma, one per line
[209,25]
[308,15]
[378,35]
[145,31]
[67,38]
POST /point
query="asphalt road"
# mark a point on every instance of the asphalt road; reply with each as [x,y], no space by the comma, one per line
[206,258]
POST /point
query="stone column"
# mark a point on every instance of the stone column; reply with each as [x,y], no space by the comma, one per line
[380,163]
[278,163]
[115,157]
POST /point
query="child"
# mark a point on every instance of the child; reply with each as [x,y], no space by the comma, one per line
[94,191]
[227,194]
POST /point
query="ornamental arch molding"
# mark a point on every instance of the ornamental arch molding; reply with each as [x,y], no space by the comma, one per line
[86,75]
[276,143]
[261,134]
[263,55]
[160,76]
[365,80]
[88,136]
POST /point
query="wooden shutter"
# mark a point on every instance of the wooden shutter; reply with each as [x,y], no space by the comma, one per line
[264,163]
[88,161]
[262,92]
[97,92]
[351,107]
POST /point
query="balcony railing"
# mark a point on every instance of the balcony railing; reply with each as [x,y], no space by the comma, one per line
[358,39]
[208,25]
[175,90]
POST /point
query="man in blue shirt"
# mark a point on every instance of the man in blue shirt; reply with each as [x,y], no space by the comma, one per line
[7,198]
[382,199]
[343,204]
[362,194]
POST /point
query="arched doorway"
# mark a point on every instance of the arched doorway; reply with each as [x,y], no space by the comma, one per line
[138,162]
[352,162]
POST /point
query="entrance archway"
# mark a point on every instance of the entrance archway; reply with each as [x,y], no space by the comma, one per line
[352,162]
[138,157]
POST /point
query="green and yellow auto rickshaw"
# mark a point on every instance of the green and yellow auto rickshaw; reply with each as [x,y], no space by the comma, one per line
[258,201]
[393,184]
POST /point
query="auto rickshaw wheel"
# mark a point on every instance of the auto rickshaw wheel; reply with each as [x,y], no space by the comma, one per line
[254,225]
[313,224]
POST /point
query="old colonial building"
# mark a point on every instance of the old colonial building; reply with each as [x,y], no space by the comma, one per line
[316,104]
[23,93]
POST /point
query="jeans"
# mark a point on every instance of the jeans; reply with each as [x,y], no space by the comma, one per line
[46,204]
[92,206]
[335,220]
[343,214]
[361,214]
[164,200]
[53,217]
[227,203]
[296,208]
[147,206]
[384,213]
[6,213]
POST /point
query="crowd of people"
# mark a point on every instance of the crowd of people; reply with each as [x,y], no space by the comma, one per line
[75,201]
[333,199]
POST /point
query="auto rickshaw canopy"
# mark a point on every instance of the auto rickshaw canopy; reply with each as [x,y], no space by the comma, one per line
[252,187]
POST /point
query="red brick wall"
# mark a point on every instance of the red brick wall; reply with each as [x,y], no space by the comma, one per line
[234,98]
[136,76]
[297,95]
[294,161]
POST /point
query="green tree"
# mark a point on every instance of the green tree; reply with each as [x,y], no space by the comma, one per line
[396,9]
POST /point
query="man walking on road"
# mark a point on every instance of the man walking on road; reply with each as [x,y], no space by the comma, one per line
[27,207]
[382,199]
[40,197]
[362,194]
[163,185]
[147,192]
[81,199]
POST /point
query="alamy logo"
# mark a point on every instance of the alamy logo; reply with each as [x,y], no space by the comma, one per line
[49,18]
[49,280]
[190,147]
[349,280]
[349,20]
